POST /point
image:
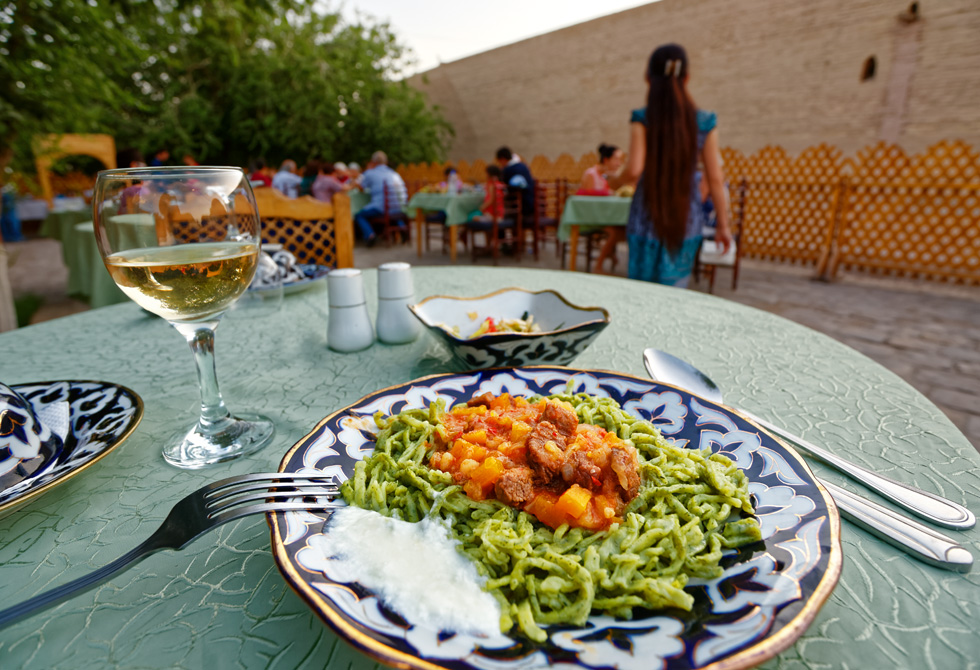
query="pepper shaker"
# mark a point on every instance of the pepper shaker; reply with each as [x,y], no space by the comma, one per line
[349,328]
[395,323]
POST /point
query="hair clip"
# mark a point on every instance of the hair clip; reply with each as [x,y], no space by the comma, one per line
[668,67]
[678,64]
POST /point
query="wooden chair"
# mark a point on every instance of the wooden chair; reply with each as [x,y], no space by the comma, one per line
[312,230]
[387,225]
[708,258]
[499,229]
[549,202]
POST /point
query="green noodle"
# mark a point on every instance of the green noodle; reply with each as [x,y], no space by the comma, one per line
[692,505]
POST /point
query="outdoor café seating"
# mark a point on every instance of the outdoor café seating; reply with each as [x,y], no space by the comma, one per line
[392,225]
[498,231]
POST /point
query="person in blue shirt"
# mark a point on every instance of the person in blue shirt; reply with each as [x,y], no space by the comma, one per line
[373,181]
[517,176]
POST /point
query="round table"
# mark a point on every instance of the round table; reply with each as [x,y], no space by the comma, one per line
[221,602]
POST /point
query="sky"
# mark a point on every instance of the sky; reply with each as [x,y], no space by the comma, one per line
[447,30]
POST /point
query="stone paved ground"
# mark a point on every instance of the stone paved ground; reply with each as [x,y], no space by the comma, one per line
[927,334]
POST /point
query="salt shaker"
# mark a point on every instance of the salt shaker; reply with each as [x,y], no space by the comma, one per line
[396,324]
[349,327]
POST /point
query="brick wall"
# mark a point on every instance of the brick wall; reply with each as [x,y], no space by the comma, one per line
[786,73]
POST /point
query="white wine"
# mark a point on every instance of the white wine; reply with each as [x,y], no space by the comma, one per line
[185,282]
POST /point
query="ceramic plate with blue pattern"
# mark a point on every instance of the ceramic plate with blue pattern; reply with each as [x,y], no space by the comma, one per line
[311,273]
[100,417]
[768,595]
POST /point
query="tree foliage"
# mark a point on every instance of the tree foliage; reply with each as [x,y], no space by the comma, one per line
[223,80]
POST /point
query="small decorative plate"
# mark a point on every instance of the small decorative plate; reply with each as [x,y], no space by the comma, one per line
[311,274]
[101,416]
[566,329]
[759,607]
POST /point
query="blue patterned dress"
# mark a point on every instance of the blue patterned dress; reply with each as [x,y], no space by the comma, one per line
[649,259]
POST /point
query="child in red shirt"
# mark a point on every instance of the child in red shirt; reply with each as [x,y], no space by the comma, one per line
[493,201]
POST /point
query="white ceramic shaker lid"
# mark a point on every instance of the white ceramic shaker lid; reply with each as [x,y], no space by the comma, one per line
[345,288]
[395,281]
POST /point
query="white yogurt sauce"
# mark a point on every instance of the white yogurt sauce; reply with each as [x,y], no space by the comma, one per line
[415,569]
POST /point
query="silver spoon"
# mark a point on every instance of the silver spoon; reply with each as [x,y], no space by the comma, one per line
[919,540]
[661,365]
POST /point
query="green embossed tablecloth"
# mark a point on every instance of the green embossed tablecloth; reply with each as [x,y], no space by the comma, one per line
[221,602]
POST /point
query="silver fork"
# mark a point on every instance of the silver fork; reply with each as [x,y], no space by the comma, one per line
[204,509]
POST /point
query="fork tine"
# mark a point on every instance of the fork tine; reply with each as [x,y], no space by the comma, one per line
[218,505]
[259,481]
[268,478]
[296,487]
[261,508]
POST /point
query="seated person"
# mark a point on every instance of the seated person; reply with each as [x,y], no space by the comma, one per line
[327,184]
[373,181]
[286,181]
[310,172]
[517,176]
[493,200]
[595,180]
[259,174]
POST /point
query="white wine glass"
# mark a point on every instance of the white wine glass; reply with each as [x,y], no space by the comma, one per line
[194,256]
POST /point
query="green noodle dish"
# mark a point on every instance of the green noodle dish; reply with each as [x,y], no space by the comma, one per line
[689,507]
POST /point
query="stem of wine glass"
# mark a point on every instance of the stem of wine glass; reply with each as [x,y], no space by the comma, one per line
[200,336]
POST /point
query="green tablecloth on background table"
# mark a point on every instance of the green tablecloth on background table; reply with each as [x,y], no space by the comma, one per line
[358,201]
[221,602]
[585,213]
[86,271]
[60,225]
[456,207]
[592,211]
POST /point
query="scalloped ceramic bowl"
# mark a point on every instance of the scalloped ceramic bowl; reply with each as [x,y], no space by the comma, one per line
[566,329]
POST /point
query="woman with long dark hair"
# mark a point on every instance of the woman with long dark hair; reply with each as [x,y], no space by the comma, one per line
[667,139]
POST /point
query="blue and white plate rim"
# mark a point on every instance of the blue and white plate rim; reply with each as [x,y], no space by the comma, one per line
[42,480]
[362,638]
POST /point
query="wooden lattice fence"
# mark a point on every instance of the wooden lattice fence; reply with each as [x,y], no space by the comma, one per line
[882,211]
[915,216]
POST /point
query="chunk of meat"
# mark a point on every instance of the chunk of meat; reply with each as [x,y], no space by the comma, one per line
[562,416]
[546,451]
[627,468]
[483,399]
[578,469]
[515,487]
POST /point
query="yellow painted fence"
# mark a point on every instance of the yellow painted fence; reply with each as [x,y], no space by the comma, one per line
[881,211]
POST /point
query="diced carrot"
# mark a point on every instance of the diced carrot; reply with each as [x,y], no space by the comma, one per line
[482,477]
[476,436]
[519,430]
[488,472]
[501,402]
[476,409]
[543,507]
[574,501]
[462,450]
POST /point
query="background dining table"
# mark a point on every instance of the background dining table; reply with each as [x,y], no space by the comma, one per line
[457,208]
[583,213]
[59,224]
[222,603]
